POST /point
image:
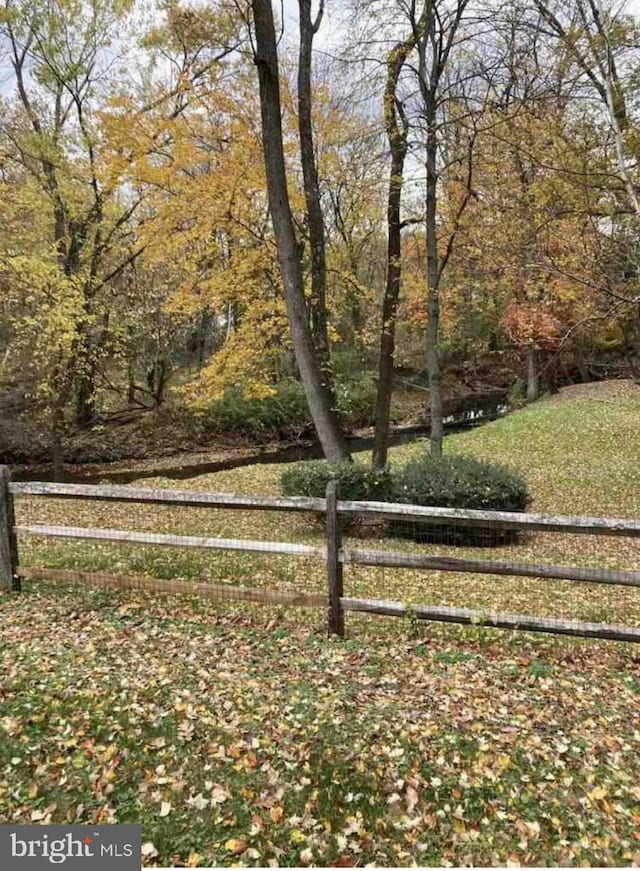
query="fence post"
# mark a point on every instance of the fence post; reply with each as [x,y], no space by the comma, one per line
[8,546]
[334,566]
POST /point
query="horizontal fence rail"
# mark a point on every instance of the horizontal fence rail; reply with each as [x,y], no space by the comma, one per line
[399,560]
[205,589]
[493,620]
[382,558]
[186,498]
[121,536]
[495,519]
[332,552]
[383,510]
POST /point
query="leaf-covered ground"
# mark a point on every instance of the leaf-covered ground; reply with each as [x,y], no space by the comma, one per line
[241,735]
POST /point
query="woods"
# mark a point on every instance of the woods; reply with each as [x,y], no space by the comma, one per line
[444,188]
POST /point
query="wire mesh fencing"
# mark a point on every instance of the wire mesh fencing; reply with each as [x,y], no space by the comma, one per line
[566,575]
[218,547]
[564,569]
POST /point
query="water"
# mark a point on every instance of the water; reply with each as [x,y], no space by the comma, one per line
[465,414]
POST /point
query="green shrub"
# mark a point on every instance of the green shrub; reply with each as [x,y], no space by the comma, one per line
[356,399]
[454,481]
[283,415]
[457,481]
[355,480]
[443,482]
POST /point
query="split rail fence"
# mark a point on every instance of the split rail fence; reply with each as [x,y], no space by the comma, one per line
[332,553]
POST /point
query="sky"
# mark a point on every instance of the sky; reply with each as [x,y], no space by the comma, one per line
[325,39]
[330,22]
[329,25]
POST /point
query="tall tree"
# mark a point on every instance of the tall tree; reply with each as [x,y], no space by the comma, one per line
[316,389]
[59,71]
[435,42]
[595,35]
[309,26]
[397,130]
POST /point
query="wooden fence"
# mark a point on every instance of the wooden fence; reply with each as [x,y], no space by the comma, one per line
[332,553]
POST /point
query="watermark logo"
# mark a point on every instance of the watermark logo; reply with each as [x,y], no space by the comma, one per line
[35,848]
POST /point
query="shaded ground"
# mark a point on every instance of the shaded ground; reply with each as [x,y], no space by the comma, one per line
[239,734]
[142,439]
[146,448]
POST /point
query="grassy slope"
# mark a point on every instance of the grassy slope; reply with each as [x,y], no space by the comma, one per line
[240,735]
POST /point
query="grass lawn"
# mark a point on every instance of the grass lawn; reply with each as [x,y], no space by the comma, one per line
[241,735]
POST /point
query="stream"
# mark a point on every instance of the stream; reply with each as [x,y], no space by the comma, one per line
[464,414]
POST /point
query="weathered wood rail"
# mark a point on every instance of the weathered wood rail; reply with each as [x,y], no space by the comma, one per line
[332,553]
[121,536]
[382,510]
[206,589]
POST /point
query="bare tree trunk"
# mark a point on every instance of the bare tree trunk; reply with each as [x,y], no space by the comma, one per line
[583,370]
[552,373]
[161,384]
[157,379]
[318,396]
[57,428]
[397,129]
[433,291]
[533,374]
[86,386]
[131,384]
[204,328]
[318,302]
[85,350]
[435,41]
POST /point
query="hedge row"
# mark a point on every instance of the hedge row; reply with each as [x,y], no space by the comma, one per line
[452,481]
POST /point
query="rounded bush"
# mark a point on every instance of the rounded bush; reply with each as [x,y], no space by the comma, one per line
[355,480]
[455,481]
[451,481]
